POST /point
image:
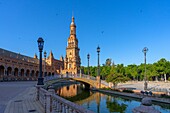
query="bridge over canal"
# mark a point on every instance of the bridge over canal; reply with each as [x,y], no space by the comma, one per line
[93,82]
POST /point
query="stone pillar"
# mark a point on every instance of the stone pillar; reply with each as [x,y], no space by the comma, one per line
[110,84]
[19,73]
[98,83]
[49,100]
[145,107]
[4,72]
[48,103]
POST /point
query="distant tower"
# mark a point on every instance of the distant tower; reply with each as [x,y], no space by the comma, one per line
[35,56]
[50,59]
[61,58]
[72,60]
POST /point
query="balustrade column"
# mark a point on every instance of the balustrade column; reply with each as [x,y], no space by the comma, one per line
[57,106]
[67,109]
[53,105]
[63,108]
[50,102]
[60,104]
[60,107]
[70,110]
[74,111]
[48,107]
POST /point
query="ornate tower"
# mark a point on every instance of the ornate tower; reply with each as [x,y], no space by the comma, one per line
[72,59]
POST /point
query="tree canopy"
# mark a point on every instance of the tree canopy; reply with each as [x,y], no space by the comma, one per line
[157,71]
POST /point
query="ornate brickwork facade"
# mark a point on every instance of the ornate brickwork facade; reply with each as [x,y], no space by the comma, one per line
[72,59]
[14,66]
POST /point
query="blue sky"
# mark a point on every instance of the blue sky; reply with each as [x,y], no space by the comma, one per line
[122,28]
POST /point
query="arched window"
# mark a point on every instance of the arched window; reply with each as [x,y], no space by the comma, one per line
[69,66]
[2,69]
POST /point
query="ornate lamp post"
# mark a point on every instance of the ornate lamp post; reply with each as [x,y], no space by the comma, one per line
[88,57]
[98,85]
[145,50]
[45,54]
[98,71]
[40,46]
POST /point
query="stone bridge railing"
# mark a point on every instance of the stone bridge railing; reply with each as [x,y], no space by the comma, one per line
[53,103]
[75,76]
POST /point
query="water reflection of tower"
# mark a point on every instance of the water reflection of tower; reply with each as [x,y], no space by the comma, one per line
[98,98]
[69,91]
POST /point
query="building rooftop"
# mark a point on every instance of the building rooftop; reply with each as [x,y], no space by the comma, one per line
[7,53]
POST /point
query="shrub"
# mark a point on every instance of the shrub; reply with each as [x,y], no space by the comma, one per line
[165,96]
[169,79]
[128,91]
[116,90]
[105,88]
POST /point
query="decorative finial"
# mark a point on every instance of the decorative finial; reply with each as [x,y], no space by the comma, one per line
[72,19]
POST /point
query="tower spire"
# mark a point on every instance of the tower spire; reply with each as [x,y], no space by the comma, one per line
[72,22]
[72,27]
[72,14]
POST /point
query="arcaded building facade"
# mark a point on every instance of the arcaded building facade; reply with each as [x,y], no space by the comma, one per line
[14,66]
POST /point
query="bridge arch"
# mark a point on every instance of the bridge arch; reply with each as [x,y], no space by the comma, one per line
[87,82]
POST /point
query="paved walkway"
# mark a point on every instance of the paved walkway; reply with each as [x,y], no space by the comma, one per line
[140,85]
[25,103]
[9,90]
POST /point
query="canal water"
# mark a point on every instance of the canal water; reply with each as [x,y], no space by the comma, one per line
[102,103]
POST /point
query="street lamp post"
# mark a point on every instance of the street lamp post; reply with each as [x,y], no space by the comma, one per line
[88,57]
[145,50]
[40,46]
[98,71]
[45,54]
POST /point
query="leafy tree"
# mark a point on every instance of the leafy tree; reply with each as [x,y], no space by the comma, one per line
[159,69]
[116,78]
[105,70]
[131,71]
[120,69]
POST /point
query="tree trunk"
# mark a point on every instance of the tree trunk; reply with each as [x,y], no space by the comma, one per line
[165,77]
[156,78]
